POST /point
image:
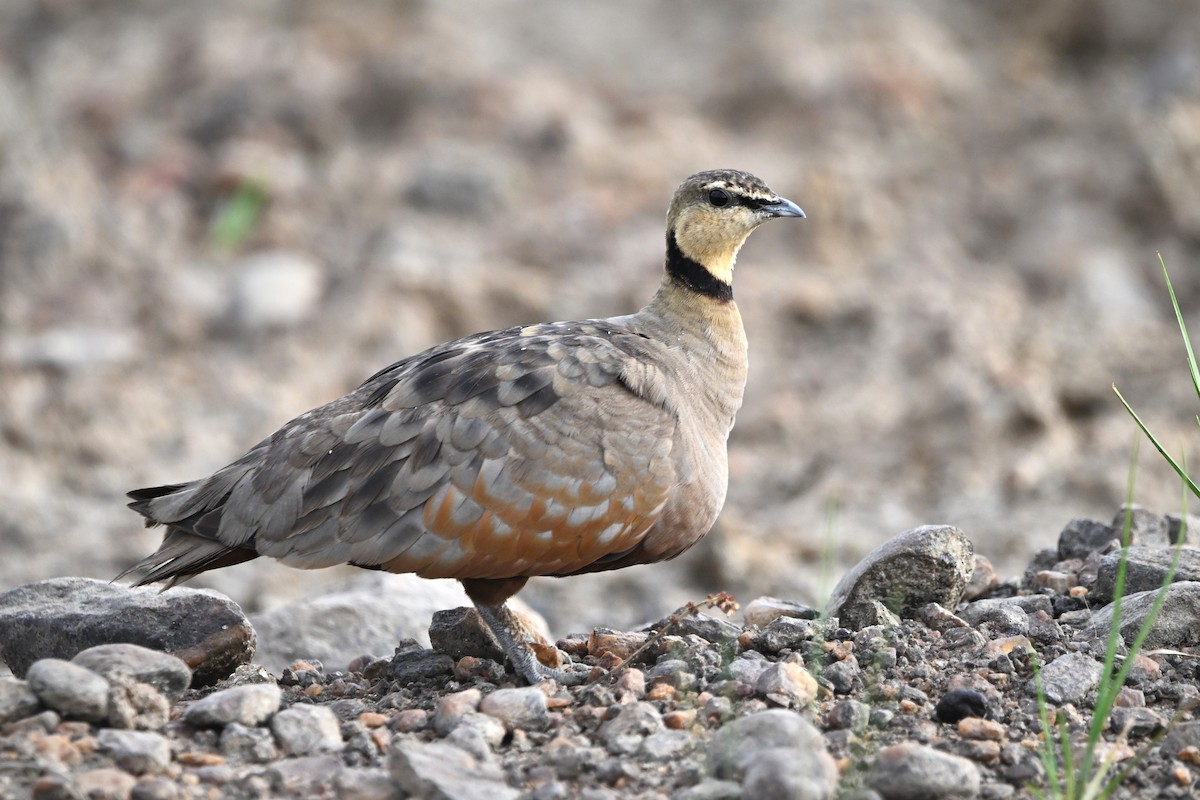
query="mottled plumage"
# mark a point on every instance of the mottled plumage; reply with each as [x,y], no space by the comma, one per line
[548,449]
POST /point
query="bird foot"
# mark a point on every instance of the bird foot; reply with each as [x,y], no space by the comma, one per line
[512,638]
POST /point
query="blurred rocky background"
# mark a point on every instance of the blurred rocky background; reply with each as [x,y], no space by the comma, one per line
[214,216]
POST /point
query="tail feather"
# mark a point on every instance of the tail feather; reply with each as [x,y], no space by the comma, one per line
[189,546]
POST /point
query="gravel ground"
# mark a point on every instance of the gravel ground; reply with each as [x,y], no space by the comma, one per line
[912,700]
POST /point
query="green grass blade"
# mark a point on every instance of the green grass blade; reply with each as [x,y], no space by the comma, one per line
[1187,342]
[1158,445]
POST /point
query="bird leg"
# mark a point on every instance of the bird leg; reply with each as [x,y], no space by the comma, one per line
[513,639]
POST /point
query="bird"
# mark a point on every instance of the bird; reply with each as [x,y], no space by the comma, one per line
[548,449]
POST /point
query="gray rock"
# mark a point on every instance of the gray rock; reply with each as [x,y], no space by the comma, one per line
[275,289]
[931,564]
[1177,624]
[786,683]
[672,671]
[784,633]
[1145,526]
[459,632]
[307,776]
[911,771]
[17,700]
[365,783]
[246,705]
[1184,734]
[136,705]
[762,611]
[523,708]
[105,782]
[137,752]
[255,745]
[439,771]
[155,787]
[1068,678]
[1002,617]
[478,734]
[1145,569]
[711,789]
[69,689]
[790,773]
[623,734]
[415,665]
[451,708]
[1184,529]
[667,744]
[708,628]
[61,617]
[736,743]
[1081,537]
[365,616]
[983,579]
[302,730]
[165,672]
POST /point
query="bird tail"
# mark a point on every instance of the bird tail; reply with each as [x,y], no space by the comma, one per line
[190,545]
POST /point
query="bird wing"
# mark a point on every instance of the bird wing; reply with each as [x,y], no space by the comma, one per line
[517,452]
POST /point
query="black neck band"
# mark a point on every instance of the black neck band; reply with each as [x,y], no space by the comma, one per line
[693,275]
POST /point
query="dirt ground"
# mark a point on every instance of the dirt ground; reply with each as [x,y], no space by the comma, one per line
[986,189]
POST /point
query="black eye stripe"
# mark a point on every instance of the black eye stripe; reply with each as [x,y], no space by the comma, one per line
[723,198]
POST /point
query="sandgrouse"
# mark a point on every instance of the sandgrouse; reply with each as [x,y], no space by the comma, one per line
[551,449]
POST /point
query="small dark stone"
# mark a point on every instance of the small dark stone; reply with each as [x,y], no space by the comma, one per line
[784,633]
[710,629]
[413,666]
[459,632]
[958,704]
[1083,536]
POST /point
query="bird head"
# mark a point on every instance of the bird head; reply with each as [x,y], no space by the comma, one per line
[713,212]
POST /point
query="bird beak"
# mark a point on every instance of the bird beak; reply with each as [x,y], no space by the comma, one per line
[782,208]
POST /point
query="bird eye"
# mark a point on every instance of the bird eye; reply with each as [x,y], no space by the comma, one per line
[718,197]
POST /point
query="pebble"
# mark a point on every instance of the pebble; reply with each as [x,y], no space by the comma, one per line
[959,704]
[478,734]
[1068,678]
[737,741]
[166,673]
[1174,628]
[524,708]
[17,700]
[104,783]
[69,689]
[247,705]
[910,771]
[931,564]
[667,744]
[439,771]
[136,752]
[460,632]
[1081,537]
[365,783]
[1146,568]
[762,611]
[786,683]
[623,734]
[303,730]
[784,633]
[451,708]
[306,776]
[135,705]
[789,773]
[255,745]
[983,579]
